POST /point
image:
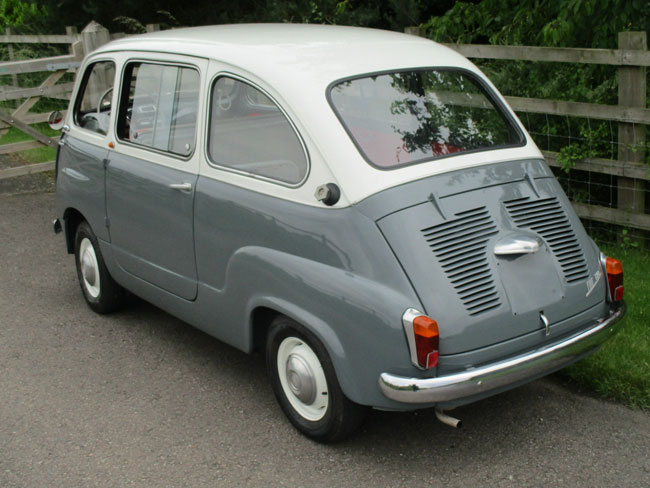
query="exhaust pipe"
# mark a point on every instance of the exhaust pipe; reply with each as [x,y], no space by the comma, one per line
[448,420]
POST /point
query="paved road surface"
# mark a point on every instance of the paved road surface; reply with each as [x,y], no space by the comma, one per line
[140,399]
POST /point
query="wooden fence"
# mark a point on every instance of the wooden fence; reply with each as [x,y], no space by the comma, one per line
[630,114]
[80,44]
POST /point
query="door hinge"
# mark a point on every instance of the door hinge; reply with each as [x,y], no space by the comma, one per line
[107,222]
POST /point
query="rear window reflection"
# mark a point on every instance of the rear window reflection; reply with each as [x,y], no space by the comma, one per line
[415,116]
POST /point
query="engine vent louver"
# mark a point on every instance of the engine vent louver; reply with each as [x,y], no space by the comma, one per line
[460,247]
[547,217]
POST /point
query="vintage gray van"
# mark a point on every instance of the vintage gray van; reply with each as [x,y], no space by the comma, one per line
[361,206]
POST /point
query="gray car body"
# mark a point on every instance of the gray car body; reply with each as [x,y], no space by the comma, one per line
[224,258]
[329,269]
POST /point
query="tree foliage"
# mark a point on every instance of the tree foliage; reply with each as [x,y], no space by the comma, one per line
[22,17]
[114,14]
[573,23]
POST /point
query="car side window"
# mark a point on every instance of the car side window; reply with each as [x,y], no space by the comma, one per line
[93,105]
[159,107]
[248,132]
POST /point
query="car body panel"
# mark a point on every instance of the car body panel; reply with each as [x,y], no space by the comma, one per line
[81,178]
[151,224]
[446,245]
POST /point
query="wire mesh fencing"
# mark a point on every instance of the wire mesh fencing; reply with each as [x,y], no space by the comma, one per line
[601,181]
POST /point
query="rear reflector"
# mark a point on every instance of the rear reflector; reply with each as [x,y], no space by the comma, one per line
[427,341]
[614,270]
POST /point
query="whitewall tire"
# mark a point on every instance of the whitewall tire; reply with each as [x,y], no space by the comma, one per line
[305,383]
[101,292]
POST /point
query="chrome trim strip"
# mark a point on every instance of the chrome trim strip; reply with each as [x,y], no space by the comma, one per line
[603,263]
[407,322]
[501,374]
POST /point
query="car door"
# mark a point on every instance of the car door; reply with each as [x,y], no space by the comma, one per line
[84,144]
[152,172]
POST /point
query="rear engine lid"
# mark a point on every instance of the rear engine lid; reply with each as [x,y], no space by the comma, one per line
[490,249]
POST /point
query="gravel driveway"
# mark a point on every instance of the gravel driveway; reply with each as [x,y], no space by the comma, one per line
[140,399]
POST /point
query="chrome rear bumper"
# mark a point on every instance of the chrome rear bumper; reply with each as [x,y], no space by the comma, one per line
[499,376]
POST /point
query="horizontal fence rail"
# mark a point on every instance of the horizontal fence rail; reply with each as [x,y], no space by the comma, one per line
[618,113]
[54,63]
[614,167]
[26,170]
[610,215]
[614,57]
[38,39]
[7,93]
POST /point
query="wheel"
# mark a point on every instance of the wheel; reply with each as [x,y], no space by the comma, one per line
[305,384]
[102,294]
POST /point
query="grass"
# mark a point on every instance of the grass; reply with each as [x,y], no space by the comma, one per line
[621,369]
[37,155]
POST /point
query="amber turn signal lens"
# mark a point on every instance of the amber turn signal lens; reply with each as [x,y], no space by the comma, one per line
[614,270]
[427,341]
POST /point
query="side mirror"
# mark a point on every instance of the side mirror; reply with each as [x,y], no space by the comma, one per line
[56,120]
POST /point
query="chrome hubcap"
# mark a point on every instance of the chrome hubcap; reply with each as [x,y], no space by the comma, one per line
[89,268]
[301,379]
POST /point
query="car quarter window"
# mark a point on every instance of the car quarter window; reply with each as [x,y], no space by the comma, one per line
[159,107]
[248,132]
[93,105]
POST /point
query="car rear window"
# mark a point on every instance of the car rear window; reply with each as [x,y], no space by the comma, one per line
[408,117]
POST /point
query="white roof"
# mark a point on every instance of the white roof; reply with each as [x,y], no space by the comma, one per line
[319,53]
[298,62]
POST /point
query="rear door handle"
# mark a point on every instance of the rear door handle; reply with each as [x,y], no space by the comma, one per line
[181,186]
[517,243]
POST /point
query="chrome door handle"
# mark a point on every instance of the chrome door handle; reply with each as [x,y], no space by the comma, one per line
[517,243]
[181,186]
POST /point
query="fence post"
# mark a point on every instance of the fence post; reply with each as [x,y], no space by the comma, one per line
[414,31]
[631,137]
[93,36]
[14,78]
[71,30]
[10,49]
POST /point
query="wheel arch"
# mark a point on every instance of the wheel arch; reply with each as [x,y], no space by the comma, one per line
[356,318]
[71,220]
[265,310]
[261,318]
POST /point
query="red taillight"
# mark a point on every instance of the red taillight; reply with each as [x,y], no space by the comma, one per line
[427,341]
[614,270]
